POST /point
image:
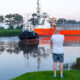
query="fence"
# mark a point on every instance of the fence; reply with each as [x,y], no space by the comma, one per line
[69,26]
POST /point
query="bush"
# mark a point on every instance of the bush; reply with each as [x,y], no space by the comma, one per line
[10,32]
[77,64]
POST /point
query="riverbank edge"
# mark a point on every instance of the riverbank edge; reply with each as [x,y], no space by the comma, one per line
[48,75]
[9,32]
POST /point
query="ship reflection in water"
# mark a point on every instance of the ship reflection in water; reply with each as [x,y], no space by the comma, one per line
[43,49]
[34,55]
[32,49]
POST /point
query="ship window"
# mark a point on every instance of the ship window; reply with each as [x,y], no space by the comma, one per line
[41,22]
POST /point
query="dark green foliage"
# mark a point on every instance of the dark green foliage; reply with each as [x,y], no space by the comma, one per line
[17,19]
[1,19]
[77,64]
[14,19]
[19,27]
[9,20]
[1,27]
[65,21]
[48,75]
[78,60]
[9,32]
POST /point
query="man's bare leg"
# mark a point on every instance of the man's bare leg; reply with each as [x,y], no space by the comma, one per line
[54,68]
[61,68]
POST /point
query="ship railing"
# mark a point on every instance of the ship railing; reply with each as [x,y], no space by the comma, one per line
[69,27]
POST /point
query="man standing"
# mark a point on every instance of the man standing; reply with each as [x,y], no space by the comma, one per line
[58,52]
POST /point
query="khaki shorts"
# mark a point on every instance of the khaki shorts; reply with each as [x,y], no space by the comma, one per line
[58,57]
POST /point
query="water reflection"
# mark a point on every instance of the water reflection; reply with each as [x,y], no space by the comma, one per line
[34,55]
[43,45]
[72,41]
[10,47]
[69,40]
[33,49]
[68,66]
[75,65]
[28,48]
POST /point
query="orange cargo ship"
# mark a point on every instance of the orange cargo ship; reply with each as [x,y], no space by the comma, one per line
[43,32]
[44,25]
[48,31]
[45,28]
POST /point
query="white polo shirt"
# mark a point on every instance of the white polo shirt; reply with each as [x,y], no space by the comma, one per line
[58,40]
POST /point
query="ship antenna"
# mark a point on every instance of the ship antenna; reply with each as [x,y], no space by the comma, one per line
[38,7]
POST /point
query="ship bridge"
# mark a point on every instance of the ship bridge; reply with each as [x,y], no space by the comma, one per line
[44,23]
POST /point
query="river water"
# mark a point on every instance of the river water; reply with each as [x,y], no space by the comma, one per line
[18,57]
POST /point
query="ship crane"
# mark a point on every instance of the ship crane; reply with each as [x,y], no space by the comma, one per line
[38,7]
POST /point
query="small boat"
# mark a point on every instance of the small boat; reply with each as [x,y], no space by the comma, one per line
[28,35]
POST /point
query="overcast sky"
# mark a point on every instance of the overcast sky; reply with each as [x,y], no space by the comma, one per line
[69,9]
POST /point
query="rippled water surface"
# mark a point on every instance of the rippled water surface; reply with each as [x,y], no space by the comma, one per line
[18,57]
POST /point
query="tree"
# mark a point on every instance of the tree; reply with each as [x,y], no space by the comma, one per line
[9,20]
[65,21]
[61,21]
[1,19]
[14,19]
[18,19]
[71,22]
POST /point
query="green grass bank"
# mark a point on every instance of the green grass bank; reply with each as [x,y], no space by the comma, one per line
[48,75]
[9,32]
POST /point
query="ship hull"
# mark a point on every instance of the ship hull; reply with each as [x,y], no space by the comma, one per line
[50,31]
[43,32]
[70,32]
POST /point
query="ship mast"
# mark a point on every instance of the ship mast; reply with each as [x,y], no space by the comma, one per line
[38,7]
